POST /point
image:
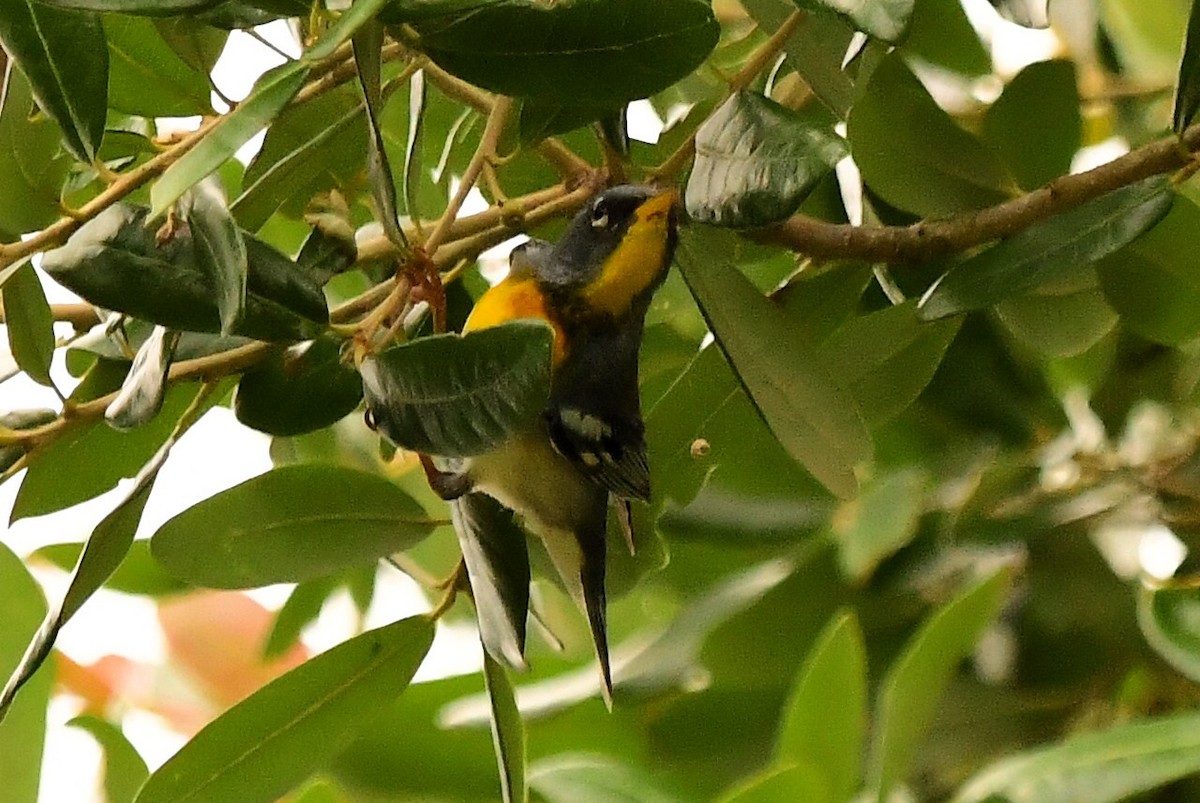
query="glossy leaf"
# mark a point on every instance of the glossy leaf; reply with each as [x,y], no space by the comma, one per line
[918,677]
[1057,248]
[138,573]
[508,732]
[63,55]
[810,415]
[124,770]
[146,76]
[824,723]
[756,161]
[29,323]
[927,165]
[106,547]
[270,95]
[219,249]
[274,739]
[572,53]
[497,560]
[367,44]
[882,520]
[1104,767]
[456,396]
[289,525]
[23,730]
[302,390]
[145,387]
[885,19]
[1047,90]
[32,165]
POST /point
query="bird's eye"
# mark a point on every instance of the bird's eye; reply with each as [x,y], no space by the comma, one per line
[599,216]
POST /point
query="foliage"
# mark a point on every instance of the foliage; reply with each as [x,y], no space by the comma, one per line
[918,430]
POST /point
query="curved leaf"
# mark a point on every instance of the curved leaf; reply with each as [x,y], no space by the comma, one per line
[29,323]
[882,19]
[1046,90]
[63,54]
[219,249]
[367,44]
[274,739]
[145,386]
[1168,618]
[756,161]
[124,770]
[299,392]
[291,524]
[23,730]
[576,53]
[138,573]
[32,164]
[508,732]
[147,77]
[457,396]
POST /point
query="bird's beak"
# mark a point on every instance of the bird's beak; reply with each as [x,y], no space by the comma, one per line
[658,206]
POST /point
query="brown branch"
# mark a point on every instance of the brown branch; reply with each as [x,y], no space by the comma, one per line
[80,316]
[929,239]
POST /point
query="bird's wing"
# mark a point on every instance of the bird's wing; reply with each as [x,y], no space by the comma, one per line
[610,450]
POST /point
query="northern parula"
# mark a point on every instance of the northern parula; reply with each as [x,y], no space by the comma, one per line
[593,287]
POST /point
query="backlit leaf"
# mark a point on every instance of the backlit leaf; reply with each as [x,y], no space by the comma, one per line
[124,770]
[29,323]
[23,730]
[146,76]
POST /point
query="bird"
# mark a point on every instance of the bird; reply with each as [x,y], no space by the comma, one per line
[588,448]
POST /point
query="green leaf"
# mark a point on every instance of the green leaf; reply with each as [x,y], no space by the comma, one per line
[124,770]
[756,161]
[64,56]
[1154,284]
[574,777]
[1048,91]
[367,45]
[508,732]
[270,95]
[88,460]
[811,416]
[23,730]
[146,7]
[289,525]
[538,119]
[801,781]
[414,143]
[882,520]
[1028,13]
[1055,249]
[1059,325]
[1168,618]
[941,34]
[29,323]
[305,389]
[915,682]
[457,396]
[825,721]
[219,248]
[32,165]
[1106,767]
[497,560]
[358,15]
[914,155]
[882,19]
[274,739]
[886,358]
[815,50]
[303,606]
[138,573]
[575,53]
[145,387]
[147,77]
[106,547]
[1187,88]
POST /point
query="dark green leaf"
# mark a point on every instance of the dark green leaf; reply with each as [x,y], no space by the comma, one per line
[825,722]
[882,19]
[29,323]
[304,389]
[917,678]
[1168,617]
[538,120]
[813,418]
[199,46]
[219,248]
[138,573]
[497,559]
[32,165]
[575,53]
[147,7]
[147,77]
[880,521]
[1187,89]
[64,56]
[274,739]
[145,387]
[124,770]
[278,280]
[1106,767]
[367,44]
[303,606]
[270,95]
[756,161]
[23,730]
[457,395]
[508,732]
[815,50]
[914,155]
[885,359]
[800,781]
[941,34]
[1057,248]
[1046,90]
[289,525]
[106,547]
